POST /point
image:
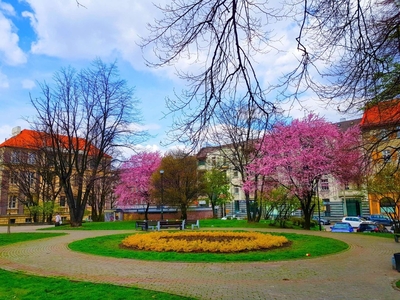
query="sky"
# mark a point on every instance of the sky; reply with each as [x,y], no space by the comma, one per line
[38,38]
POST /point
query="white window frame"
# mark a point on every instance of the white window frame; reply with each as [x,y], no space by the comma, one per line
[324,184]
[12,201]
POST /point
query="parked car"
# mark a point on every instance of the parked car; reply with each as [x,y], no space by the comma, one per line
[342,227]
[381,219]
[369,226]
[353,221]
[322,221]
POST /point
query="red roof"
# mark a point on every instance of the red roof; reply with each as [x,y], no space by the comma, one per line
[383,113]
[26,139]
[31,139]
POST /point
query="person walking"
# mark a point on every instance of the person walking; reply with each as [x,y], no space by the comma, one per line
[58,219]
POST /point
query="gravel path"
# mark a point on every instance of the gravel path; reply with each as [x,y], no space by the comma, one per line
[362,272]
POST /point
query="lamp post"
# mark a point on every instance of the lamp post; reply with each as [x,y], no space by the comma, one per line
[319,210]
[162,194]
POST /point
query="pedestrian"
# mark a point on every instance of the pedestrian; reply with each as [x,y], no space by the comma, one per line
[58,219]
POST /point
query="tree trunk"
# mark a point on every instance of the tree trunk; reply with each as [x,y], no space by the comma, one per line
[213,210]
[308,209]
[146,211]
[183,212]
[248,207]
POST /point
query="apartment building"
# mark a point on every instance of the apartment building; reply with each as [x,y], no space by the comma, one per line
[30,190]
[381,134]
[338,200]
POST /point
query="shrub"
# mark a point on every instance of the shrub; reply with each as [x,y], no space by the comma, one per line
[207,241]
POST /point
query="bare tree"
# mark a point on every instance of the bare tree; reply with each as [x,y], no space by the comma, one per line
[348,54]
[85,115]
[223,37]
[102,194]
[240,129]
[353,47]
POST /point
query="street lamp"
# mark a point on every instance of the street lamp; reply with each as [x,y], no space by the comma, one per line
[162,194]
[319,209]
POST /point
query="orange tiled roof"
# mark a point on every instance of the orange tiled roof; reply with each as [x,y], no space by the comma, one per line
[26,139]
[31,139]
[383,113]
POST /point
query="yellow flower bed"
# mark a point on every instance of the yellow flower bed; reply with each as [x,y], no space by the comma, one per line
[204,241]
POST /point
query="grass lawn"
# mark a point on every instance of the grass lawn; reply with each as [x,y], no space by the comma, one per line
[301,245]
[19,286]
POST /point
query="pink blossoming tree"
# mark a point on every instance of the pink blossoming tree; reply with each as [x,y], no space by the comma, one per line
[297,155]
[136,180]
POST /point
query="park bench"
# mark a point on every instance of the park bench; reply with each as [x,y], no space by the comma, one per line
[170,224]
[145,224]
[191,223]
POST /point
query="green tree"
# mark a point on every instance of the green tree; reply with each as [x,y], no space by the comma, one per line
[216,187]
[283,203]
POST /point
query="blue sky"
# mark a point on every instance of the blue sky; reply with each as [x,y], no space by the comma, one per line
[38,38]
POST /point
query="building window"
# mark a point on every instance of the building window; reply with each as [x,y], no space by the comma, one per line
[324,185]
[236,191]
[14,177]
[14,157]
[346,186]
[31,158]
[62,201]
[235,174]
[30,178]
[12,201]
[214,161]
[384,135]
[386,155]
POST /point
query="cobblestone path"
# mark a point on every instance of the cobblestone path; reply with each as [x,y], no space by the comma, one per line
[362,272]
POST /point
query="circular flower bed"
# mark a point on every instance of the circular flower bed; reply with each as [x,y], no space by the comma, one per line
[203,241]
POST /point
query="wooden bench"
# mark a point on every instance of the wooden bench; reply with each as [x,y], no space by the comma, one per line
[192,223]
[170,224]
[145,225]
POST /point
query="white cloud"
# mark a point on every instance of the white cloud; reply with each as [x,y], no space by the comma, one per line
[10,53]
[7,9]
[28,84]
[101,28]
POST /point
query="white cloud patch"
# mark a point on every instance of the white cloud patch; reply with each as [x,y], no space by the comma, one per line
[28,84]
[10,53]
[100,28]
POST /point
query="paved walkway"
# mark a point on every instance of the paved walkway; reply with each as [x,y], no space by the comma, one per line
[363,272]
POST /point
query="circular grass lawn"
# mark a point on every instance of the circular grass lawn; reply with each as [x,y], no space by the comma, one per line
[302,247]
